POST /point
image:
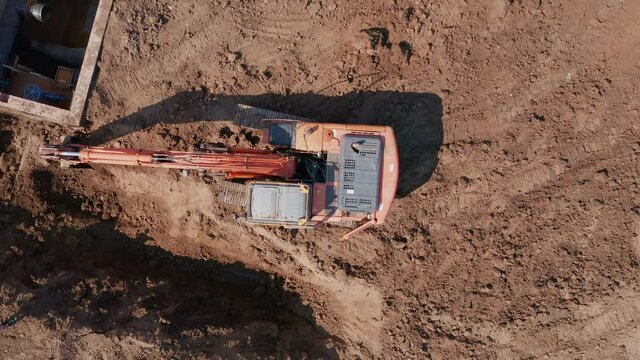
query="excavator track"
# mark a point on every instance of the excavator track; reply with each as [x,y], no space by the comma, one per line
[232,193]
[251,117]
[345,223]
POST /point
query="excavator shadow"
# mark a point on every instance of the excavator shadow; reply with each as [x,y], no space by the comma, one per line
[97,280]
[415,117]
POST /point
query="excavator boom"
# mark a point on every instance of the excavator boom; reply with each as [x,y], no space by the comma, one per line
[234,164]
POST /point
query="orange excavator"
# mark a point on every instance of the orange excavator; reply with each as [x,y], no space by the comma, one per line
[313,173]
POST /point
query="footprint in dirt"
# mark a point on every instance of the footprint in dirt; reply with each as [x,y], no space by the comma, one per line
[378,37]
[249,136]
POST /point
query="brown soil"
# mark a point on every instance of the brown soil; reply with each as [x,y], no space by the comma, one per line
[523,243]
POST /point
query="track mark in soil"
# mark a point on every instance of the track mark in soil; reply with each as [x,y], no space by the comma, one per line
[125,84]
[357,304]
[274,36]
[277,28]
[527,178]
[182,201]
[589,330]
[470,123]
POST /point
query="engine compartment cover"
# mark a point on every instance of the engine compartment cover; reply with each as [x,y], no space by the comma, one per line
[359,173]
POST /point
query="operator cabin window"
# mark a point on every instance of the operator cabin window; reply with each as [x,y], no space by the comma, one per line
[42,48]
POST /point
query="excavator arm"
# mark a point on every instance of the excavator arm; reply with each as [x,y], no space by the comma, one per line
[234,164]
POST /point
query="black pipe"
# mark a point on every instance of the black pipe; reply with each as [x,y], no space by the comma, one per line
[59,53]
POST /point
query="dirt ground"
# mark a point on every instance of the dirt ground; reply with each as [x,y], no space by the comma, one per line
[515,234]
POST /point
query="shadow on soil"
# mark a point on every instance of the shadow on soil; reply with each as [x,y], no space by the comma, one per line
[99,280]
[415,117]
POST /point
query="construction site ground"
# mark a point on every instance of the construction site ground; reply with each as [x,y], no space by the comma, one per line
[515,233]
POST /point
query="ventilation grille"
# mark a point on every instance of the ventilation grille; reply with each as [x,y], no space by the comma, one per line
[369,148]
[357,204]
[348,177]
[349,164]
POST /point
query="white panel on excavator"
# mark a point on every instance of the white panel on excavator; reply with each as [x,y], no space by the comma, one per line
[279,203]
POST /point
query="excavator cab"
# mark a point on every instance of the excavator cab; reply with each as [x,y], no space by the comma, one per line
[279,203]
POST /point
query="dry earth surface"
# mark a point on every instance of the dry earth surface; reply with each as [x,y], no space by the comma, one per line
[515,234]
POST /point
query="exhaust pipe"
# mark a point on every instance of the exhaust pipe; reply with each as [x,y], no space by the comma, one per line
[36,10]
[39,12]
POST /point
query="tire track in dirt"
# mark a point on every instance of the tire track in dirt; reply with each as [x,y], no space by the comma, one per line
[277,28]
[358,305]
[469,122]
[592,329]
[277,34]
[587,331]
[125,84]
[271,37]
[525,179]
[472,123]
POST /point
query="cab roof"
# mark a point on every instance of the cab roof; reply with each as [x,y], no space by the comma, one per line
[279,203]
